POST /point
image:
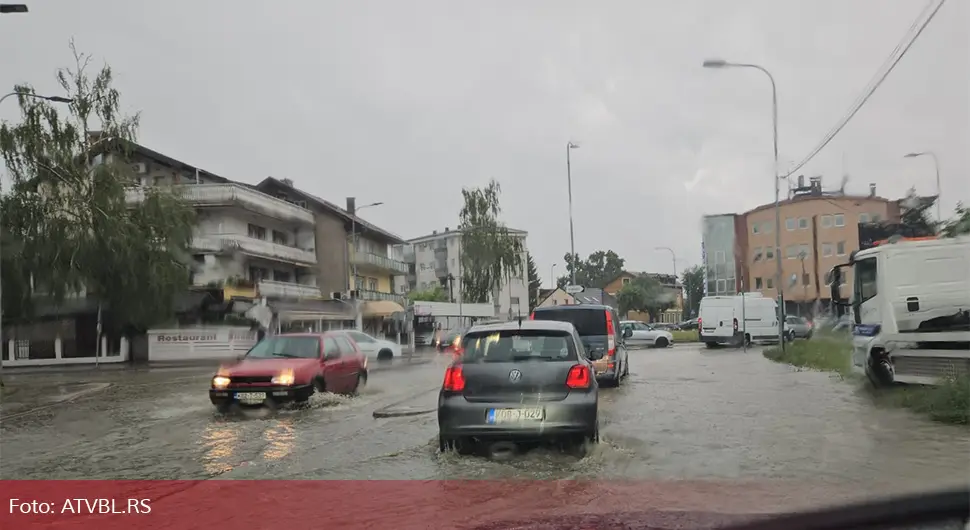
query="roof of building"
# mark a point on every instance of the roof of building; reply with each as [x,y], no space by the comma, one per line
[448,232]
[362,225]
[828,197]
[104,145]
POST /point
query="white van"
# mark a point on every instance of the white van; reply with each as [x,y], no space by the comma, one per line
[728,319]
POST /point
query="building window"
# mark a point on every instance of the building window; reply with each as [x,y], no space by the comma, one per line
[767,227]
[874,218]
[514,300]
[626,281]
[840,248]
[790,223]
[806,279]
[372,284]
[757,283]
[769,254]
[257,232]
[755,228]
[280,238]
[791,252]
[802,223]
[258,274]
[839,219]
[770,283]
[863,218]
[826,221]
[757,254]
[719,256]
[722,286]
[826,249]
[281,276]
[804,251]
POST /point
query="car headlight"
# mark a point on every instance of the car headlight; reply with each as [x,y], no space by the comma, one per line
[220,381]
[284,378]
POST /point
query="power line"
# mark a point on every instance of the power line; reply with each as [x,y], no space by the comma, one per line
[861,101]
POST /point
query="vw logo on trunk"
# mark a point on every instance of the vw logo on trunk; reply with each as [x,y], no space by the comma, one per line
[515,375]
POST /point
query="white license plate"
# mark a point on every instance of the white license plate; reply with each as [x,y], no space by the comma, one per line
[515,415]
[251,397]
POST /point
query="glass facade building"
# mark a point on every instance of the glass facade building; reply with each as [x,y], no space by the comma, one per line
[718,249]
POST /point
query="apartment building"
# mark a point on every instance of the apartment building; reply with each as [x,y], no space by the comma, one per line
[435,259]
[244,239]
[818,231]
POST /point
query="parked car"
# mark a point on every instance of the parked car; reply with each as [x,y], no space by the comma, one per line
[371,346]
[687,325]
[290,368]
[528,381]
[599,328]
[801,327]
[646,335]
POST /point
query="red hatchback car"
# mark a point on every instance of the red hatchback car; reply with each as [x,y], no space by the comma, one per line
[290,368]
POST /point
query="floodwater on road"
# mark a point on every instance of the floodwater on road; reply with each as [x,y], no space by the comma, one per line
[684,413]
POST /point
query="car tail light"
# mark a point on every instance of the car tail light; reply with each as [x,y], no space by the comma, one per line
[610,337]
[532,315]
[735,324]
[579,377]
[700,322]
[454,379]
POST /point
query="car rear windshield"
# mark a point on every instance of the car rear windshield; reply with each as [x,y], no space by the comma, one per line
[283,347]
[588,322]
[518,345]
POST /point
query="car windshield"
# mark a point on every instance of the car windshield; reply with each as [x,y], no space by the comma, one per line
[283,347]
[588,322]
[518,345]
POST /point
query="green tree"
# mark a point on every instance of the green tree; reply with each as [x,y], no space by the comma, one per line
[434,294]
[599,269]
[915,215]
[693,282]
[490,253]
[535,282]
[959,224]
[644,293]
[66,213]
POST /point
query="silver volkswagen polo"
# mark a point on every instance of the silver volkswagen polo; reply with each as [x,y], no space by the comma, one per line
[523,380]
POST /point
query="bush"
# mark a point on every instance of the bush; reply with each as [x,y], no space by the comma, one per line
[687,335]
[947,402]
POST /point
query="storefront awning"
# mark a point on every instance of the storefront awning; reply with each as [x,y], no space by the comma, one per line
[382,308]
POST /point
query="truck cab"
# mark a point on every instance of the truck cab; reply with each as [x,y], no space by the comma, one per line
[910,308]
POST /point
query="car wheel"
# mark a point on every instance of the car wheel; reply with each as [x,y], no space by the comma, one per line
[710,345]
[662,342]
[459,445]
[361,382]
[385,355]
[319,385]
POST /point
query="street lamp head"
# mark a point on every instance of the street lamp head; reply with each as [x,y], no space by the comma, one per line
[572,145]
[715,63]
[911,155]
[13,8]
[59,99]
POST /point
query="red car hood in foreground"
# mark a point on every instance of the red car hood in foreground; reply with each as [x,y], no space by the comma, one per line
[267,366]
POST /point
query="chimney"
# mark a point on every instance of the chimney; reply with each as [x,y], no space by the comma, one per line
[434,232]
[446,229]
[872,189]
[801,181]
[288,182]
[351,205]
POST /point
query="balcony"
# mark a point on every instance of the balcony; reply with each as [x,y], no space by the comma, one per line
[203,195]
[288,290]
[366,260]
[221,243]
[378,295]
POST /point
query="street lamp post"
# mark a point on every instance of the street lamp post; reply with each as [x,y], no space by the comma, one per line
[353,261]
[54,99]
[552,275]
[721,63]
[936,165]
[569,182]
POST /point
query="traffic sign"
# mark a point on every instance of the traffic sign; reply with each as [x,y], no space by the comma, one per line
[574,289]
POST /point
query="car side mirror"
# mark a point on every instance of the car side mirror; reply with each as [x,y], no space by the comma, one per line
[627,333]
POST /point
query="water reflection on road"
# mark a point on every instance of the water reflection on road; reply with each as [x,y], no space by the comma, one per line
[683,414]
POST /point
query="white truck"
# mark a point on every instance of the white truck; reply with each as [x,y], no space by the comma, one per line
[910,305]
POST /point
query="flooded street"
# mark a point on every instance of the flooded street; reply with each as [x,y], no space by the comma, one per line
[684,413]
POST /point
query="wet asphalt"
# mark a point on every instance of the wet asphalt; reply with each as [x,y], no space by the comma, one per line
[684,413]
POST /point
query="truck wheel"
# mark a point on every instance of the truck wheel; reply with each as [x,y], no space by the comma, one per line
[880,372]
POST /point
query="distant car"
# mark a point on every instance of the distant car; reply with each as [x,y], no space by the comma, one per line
[373,347]
[449,341]
[801,327]
[528,381]
[687,325]
[646,335]
[599,328]
[290,368]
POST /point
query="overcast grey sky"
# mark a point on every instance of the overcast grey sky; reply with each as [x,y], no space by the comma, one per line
[408,101]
